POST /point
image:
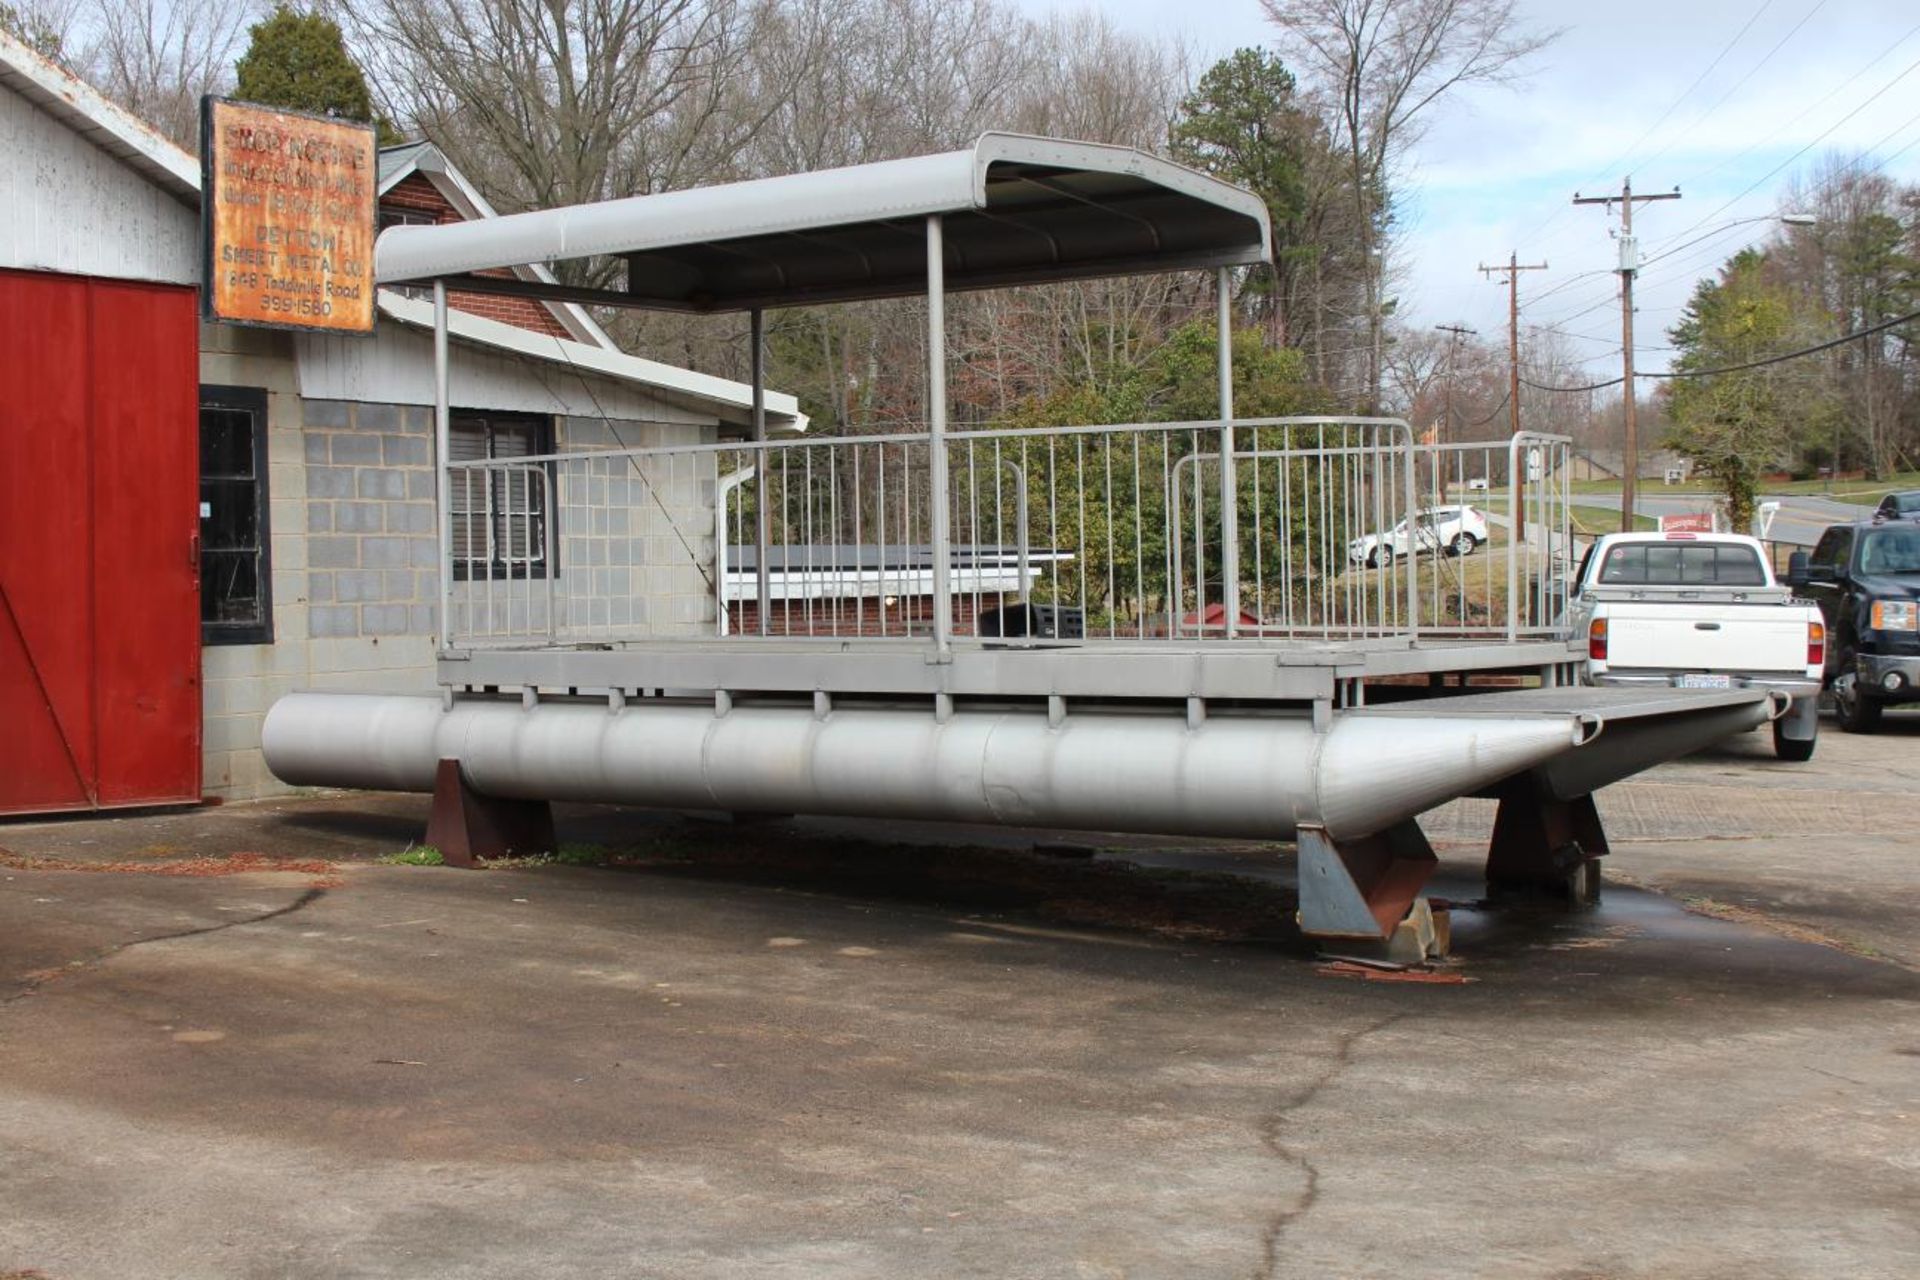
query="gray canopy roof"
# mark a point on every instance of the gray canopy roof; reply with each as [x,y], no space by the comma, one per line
[1016,210]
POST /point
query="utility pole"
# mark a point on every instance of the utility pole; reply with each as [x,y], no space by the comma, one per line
[1512,271]
[1454,333]
[1629,405]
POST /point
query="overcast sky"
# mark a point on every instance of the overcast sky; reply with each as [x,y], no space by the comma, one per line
[1617,95]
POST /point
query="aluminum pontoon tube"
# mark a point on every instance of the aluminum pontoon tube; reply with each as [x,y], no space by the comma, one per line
[1247,776]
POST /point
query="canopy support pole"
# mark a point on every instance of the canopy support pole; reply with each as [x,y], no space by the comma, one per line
[762,517]
[442,452]
[1229,488]
[937,435]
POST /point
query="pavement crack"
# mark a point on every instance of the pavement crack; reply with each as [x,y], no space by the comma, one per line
[34,982]
[1272,1130]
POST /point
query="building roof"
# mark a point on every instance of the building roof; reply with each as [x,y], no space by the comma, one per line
[101,121]
[732,400]
[397,163]
[1016,210]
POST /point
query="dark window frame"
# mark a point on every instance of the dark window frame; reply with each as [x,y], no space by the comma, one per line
[253,401]
[388,215]
[1835,548]
[510,569]
[1711,564]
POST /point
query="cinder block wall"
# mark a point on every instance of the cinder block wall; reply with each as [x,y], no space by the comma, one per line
[355,552]
[372,553]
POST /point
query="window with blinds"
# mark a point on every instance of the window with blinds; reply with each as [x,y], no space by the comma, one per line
[499,512]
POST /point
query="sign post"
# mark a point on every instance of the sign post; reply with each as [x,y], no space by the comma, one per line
[287,218]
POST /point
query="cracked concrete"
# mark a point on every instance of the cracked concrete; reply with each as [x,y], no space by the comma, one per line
[1273,1127]
[781,1052]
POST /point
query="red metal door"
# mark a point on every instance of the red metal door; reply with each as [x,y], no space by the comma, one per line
[99,592]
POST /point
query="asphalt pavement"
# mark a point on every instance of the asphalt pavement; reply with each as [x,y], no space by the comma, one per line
[232,1044]
[1801,519]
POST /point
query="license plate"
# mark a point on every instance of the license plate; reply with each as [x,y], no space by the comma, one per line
[1706,682]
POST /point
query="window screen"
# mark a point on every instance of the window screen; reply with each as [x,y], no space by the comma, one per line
[1682,564]
[499,512]
[236,603]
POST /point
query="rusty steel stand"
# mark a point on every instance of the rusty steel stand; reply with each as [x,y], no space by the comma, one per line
[1546,846]
[466,826]
[1362,888]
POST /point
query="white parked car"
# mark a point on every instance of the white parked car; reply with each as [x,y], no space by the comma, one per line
[1454,530]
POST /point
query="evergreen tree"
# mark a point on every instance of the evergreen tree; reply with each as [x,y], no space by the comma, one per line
[1738,425]
[298,60]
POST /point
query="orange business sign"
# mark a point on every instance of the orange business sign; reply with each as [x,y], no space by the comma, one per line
[287,214]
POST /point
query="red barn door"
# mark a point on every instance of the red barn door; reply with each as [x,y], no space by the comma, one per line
[99,589]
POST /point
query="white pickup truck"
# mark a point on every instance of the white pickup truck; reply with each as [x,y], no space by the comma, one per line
[1700,610]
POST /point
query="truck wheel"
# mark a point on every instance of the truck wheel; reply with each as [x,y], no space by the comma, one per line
[1857,712]
[1794,750]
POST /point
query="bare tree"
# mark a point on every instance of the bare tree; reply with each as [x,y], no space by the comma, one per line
[1382,65]
[45,26]
[548,102]
[158,57]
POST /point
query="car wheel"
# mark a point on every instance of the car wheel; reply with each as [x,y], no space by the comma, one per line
[1376,558]
[1464,543]
[1857,712]
[1793,750]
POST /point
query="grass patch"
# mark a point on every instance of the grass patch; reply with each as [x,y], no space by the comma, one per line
[424,855]
[580,853]
[1598,520]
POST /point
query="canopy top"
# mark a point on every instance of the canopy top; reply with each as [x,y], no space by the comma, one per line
[1015,210]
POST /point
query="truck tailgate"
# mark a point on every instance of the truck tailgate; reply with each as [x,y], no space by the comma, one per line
[1706,637]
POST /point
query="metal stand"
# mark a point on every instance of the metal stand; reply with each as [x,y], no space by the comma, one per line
[1546,846]
[1361,889]
[467,826]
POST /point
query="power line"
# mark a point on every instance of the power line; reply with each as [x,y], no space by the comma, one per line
[1835,91]
[1769,175]
[1496,411]
[1613,166]
[1829,96]
[1875,167]
[1704,116]
[1828,345]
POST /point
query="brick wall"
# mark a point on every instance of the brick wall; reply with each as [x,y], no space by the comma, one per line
[417,194]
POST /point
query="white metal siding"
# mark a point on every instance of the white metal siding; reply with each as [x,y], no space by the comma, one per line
[66,205]
[397,368]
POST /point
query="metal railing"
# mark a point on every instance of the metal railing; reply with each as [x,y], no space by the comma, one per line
[1512,582]
[1055,535]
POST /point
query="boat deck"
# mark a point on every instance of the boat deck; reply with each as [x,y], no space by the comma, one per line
[1242,670]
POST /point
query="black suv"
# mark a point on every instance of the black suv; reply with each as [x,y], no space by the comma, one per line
[1865,577]
[1899,506]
